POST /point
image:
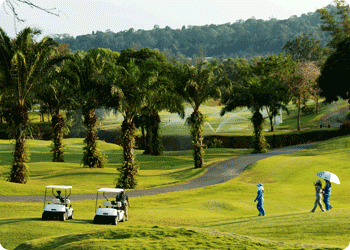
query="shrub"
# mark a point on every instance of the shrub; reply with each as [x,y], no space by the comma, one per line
[345,126]
[307,110]
[216,143]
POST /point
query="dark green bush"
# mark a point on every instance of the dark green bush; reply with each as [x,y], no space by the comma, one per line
[216,143]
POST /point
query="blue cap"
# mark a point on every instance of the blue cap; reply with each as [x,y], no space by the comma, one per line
[259,185]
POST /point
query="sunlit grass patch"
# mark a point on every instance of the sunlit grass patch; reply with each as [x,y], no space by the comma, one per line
[154,171]
[152,238]
[220,216]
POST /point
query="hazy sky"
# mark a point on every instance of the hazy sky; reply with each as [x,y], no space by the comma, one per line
[78,17]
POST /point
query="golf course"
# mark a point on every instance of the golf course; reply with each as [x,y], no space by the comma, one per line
[221,216]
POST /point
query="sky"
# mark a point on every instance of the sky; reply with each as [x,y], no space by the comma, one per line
[80,17]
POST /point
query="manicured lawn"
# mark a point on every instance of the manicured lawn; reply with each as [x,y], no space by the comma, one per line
[155,171]
[237,122]
[223,216]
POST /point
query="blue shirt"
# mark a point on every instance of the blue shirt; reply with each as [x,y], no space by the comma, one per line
[327,189]
[260,195]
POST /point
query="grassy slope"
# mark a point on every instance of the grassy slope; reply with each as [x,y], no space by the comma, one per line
[236,122]
[226,211]
[168,169]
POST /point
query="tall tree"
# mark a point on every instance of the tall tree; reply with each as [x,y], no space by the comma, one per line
[305,48]
[302,85]
[196,84]
[338,24]
[258,85]
[131,87]
[23,61]
[58,93]
[95,90]
[160,93]
[333,80]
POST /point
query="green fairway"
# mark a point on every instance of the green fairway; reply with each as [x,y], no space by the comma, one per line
[238,122]
[155,171]
[221,216]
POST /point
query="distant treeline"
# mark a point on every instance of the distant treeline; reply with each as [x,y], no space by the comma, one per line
[240,39]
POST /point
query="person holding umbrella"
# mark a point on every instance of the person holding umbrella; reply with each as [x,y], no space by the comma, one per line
[327,194]
[260,199]
[318,188]
[328,177]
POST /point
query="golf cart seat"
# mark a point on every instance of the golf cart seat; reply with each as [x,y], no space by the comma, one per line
[117,204]
[56,201]
[107,203]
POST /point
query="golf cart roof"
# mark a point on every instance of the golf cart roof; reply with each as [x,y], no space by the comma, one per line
[110,190]
[60,187]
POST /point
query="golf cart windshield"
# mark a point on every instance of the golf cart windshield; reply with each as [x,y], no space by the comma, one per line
[107,190]
[58,187]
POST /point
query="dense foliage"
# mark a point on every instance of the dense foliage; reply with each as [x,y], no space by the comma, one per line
[23,62]
[140,83]
[334,78]
[238,39]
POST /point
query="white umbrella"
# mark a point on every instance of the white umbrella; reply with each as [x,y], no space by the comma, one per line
[328,176]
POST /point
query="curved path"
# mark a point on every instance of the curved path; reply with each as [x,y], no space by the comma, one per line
[217,173]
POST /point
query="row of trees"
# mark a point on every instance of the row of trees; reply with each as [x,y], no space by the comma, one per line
[239,38]
[136,83]
[139,84]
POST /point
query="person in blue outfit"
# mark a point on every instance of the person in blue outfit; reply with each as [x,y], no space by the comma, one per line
[260,199]
[326,195]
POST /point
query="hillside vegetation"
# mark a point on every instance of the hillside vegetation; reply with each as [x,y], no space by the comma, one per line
[237,39]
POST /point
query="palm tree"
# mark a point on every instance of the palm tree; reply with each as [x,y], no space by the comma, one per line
[94,90]
[196,84]
[131,90]
[131,87]
[58,93]
[23,61]
[159,94]
[259,85]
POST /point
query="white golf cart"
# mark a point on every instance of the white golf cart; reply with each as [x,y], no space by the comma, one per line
[59,208]
[112,212]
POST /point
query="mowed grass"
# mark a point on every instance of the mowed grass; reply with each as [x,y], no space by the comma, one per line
[237,122]
[223,216]
[155,171]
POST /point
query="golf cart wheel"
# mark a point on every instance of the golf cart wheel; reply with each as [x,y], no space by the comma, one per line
[96,220]
[63,217]
[71,217]
[115,220]
[44,216]
[124,218]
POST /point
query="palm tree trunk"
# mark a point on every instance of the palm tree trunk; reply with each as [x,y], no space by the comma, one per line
[57,124]
[143,141]
[19,171]
[92,157]
[298,117]
[196,132]
[148,135]
[156,146]
[269,114]
[128,170]
[259,143]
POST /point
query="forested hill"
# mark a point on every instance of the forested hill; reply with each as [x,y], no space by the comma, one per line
[238,39]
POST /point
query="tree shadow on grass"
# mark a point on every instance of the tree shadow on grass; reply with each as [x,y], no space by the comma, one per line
[15,220]
[71,174]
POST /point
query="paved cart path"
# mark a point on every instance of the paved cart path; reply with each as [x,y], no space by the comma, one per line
[218,173]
